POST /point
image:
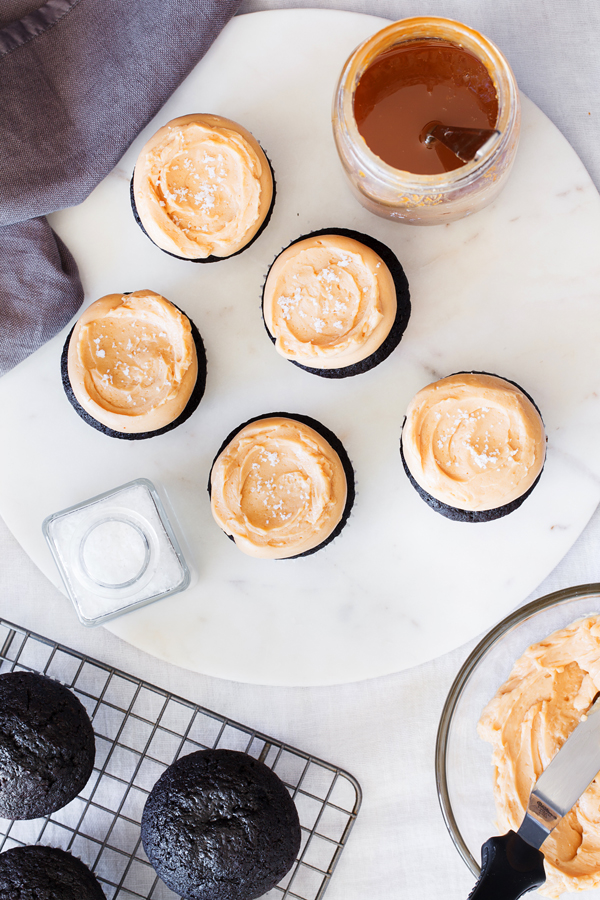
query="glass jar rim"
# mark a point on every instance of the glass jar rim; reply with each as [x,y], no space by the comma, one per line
[419,28]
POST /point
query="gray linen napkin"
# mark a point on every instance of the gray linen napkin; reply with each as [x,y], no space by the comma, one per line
[79,79]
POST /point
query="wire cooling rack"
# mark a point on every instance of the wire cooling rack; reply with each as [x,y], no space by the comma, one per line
[140,730]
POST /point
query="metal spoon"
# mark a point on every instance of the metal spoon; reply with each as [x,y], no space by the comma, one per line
[466,143]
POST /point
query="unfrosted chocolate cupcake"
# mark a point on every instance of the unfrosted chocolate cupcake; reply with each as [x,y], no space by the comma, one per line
[473,446]
[45,873]
[219,825]
[336,302]
[202,189]
[134,366]
[281,486]
[47,745]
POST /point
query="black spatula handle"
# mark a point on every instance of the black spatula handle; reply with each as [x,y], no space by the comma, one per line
[509,868]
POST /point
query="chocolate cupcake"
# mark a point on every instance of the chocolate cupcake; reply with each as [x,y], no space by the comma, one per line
[47,745]
[45,873]
[219,825]
[281,486]
[202,188]
[336,302]
[473,446]
[134,366]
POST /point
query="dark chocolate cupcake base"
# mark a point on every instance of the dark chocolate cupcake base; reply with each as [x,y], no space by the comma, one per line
[45,873]
[47,745]
[191,406]
[337,445]
[469,515]
[208,259]
[220,825]
[466,515]
[403,307]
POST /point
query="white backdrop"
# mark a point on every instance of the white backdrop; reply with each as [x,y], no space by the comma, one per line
[382,730]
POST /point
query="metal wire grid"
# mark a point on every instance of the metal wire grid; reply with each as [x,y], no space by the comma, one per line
[140,730]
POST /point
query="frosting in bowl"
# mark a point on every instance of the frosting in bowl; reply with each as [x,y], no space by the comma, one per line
[329,302]
[202,186]
[132,361]
[548,692]
[278,488]
[473,441]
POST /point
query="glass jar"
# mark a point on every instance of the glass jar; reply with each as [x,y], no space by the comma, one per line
[427,199]
[116,552]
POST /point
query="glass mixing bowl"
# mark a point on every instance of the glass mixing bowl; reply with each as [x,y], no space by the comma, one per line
[462,759]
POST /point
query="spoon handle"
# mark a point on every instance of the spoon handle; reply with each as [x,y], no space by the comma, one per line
[464,142]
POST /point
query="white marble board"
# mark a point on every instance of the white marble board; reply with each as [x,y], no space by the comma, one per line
[514,290]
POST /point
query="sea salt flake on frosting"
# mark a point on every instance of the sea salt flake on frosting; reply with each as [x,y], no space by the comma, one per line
[328,275]
[482,459]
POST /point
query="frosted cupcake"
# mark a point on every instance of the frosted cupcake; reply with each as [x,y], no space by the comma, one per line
[281,486]
[473,446]
[336,302]
[134,366]
[202,188]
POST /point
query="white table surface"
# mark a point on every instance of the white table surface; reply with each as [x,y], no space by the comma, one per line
[381,730]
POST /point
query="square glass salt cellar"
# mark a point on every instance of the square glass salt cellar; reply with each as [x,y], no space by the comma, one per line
[116,552]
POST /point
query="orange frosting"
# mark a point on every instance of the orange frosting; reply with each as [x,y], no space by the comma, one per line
[202,186]
[329,301]
[473,441]
[132,361]
[548,692]
[278,488]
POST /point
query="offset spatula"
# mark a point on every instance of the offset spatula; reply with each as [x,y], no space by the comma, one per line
[513,864]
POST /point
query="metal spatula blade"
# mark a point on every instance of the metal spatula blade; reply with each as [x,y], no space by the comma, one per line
[466,143]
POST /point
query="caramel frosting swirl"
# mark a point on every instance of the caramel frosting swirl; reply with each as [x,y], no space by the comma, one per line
[278,488]
[548,692]
[202,186]
[473,441]
[132,361]
[329,302]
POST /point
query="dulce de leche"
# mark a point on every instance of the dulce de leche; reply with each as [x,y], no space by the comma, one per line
[414,85]
[394,89]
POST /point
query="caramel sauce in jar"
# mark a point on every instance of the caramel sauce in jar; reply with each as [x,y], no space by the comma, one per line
[404,79]
[413,85]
